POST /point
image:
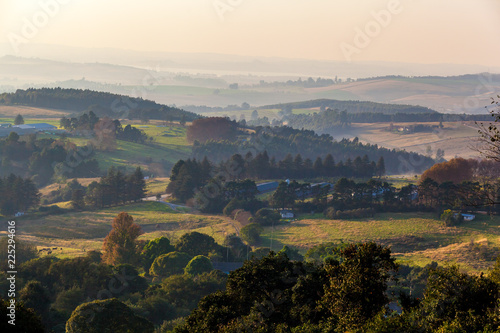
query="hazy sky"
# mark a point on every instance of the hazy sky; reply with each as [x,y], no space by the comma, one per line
[418,31]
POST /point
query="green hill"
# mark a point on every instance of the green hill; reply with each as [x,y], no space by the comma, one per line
[102,103]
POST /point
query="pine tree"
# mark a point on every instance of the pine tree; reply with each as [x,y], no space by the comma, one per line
[19,120]
[329,165]
[380,168]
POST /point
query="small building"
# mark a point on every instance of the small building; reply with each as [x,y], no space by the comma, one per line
[37,126]
[24,127]
[267,187]
[468,217]
[287,214]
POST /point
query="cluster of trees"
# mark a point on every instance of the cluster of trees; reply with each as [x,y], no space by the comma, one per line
[351,291]
[213,128]
[112,189]
[18,194]
[43,159]
[92,123]
[464,196]
[187,176]
[86,121]
[458,170]
[281,141]
[103,103]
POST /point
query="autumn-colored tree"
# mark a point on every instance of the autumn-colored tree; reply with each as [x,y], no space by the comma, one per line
[456,170]
[214,128]
[120,245]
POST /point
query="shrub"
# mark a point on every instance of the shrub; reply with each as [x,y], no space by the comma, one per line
[251,233]
[198,265]
[450,218]
[266,217]
[169,264]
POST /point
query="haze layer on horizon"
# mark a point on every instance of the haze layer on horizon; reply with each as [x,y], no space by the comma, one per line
[409,31]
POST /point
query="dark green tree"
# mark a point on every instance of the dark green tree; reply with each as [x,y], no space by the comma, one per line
[153,249]
[198,265]
[19,120]
[169,264]
[251,233]
[358,282]
[195,243]
[109,315]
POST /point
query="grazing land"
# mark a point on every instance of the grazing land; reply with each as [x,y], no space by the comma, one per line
[415,238]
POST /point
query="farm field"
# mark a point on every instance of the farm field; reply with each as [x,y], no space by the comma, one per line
[10,112]
[456,138]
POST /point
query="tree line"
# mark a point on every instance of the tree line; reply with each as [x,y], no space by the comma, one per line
[284,140]
[353,106]
[113,189]
[263,167]
[43,159]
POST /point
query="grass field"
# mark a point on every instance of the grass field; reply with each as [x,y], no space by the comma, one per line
[157,157]
[415,238]
[10,112]
[77,232]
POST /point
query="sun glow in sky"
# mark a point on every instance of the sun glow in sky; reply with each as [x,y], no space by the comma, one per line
[417,31]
